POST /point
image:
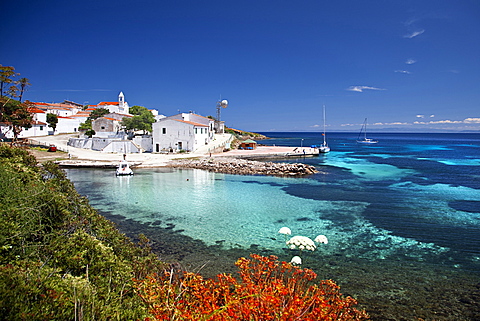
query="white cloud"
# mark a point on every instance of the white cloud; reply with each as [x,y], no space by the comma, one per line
[360,89]
[410,61]
[390,124]
[472,120]
[438,122]
[431,116]
[403,71]
[414,34]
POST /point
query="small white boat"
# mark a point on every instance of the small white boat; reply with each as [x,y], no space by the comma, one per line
[324,146]
[124,169]
[365,140]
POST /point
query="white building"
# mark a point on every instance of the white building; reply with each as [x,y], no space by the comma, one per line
[67,125]
[184,131]
[120,107]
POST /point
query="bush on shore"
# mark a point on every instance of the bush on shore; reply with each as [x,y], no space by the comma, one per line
[59,259]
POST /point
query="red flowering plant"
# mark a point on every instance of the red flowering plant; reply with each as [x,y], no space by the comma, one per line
[266,290]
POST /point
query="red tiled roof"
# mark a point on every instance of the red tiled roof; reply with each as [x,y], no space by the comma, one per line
[108,103]
[54,105]
[124,115]
[201,116]
[80,115]
[191,123]
[35,110]
[36,122]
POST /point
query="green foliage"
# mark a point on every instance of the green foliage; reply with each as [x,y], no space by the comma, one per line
[97,113]
[87,125]
[137,110]
[59,259]
[90,133]
[142,119]
[52,121]
[7,73]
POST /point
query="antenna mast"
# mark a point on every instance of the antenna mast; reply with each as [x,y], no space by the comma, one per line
[222,103]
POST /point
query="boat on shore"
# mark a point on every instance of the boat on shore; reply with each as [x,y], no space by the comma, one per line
[123,169]
[324,146]
[363,131]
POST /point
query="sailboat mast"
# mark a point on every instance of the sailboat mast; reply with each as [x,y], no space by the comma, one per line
[324,139]
[365,129]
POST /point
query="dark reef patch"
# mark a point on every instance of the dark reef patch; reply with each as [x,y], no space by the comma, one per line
[465,206]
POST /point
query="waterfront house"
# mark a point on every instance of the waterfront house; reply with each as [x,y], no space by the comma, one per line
[185,131]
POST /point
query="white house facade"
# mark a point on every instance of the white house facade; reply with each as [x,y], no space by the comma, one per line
[173,135]
[67,125]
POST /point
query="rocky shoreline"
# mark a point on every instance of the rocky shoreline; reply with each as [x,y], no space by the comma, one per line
[245,167]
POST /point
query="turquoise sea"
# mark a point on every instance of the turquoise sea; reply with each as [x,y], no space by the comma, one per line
[402,218]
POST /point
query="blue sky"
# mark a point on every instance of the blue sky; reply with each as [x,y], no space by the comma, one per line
[405,65]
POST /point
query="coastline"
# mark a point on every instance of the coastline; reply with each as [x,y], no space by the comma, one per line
[78,157]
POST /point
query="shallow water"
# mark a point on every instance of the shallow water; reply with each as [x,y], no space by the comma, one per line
[407,208]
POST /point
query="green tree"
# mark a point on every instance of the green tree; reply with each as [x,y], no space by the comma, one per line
[13,112]
[136,110]
[142,119]
[6,78]
[23,82]
[52,121]
[97,113]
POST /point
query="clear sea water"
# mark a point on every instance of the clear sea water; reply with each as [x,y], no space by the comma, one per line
[410,203]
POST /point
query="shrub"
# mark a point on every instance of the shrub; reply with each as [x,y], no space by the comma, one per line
[266,290]
[60,259]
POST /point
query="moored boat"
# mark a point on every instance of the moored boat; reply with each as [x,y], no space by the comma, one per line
[124,169]
[324,146]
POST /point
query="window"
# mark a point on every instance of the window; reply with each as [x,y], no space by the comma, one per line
[41,127]
[164,130]
[196,130]
[157,147]
[103,127]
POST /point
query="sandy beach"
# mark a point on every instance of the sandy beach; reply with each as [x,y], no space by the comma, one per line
[87,157]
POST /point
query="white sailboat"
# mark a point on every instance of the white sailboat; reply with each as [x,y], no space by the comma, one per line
[324,147]
[365,140]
